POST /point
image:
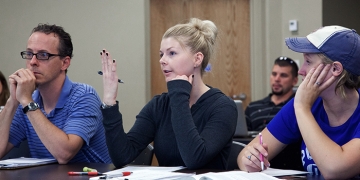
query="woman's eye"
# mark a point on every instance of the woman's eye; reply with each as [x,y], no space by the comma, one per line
[161,55]
[172,53]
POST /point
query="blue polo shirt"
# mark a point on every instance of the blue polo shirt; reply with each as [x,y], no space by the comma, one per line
[77,112]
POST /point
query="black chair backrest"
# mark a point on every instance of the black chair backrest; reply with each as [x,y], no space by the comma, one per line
[22,151]
[145,157]
[289,158]
[236,147]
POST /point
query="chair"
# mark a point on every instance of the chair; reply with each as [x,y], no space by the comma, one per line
[289,158]
[22,151]
[235,149]
[145,157]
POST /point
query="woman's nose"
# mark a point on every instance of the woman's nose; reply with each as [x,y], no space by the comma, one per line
[302,71]
[162,61]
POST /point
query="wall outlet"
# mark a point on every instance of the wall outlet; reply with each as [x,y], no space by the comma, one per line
[293,25]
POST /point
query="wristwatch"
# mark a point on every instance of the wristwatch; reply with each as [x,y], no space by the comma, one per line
[32,106]
[105,106]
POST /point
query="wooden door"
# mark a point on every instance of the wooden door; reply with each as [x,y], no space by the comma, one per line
[231,66]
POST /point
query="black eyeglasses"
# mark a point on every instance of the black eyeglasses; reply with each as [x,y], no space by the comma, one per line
[39,55]
[284,58]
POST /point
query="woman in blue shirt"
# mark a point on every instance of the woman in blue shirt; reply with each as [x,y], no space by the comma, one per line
[325,111]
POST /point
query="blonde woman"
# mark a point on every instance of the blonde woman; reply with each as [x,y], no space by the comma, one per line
[192,124]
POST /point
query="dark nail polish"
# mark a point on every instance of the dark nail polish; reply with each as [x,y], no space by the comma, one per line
[107,54]
[113,60]
[103,50]
[193,76]
[100,53]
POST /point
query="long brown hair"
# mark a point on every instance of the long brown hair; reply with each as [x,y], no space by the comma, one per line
[5,93]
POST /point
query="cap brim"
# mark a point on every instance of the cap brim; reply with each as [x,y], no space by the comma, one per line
[301,45]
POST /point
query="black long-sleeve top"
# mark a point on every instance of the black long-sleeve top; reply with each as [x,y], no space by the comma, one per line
[196,137]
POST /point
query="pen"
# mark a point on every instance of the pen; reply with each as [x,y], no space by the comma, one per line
[85,173]
[110,176]
[261,156]
[119,80]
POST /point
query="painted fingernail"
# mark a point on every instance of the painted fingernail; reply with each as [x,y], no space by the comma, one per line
[113,60]
[103,50]
[100,53]
[193,76]
[107,54]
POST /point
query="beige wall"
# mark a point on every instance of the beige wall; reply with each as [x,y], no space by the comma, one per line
[269,28]
[122,27]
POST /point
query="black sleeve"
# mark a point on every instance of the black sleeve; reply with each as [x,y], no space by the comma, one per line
[198,149]
[125,147]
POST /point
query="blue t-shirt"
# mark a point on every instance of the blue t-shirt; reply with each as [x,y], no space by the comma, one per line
[77,112]
[284,127]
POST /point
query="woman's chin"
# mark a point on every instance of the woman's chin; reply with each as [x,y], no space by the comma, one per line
[167,79]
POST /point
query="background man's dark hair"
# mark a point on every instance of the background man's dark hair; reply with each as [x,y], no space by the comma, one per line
[286,61]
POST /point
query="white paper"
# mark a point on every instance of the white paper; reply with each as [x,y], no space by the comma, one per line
[156,168]
[147,172]
[156,172]
[282,172]
[230,175]
[23,162]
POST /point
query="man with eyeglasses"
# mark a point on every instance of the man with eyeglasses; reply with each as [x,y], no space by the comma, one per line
[283,78]
[60,119]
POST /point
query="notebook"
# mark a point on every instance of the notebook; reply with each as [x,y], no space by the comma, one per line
[241,126]
[23,162]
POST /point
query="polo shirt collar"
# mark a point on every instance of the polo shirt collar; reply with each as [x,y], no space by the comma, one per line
[65,93]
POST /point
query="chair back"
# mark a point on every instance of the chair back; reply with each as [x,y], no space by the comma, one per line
[236,147]
[22,151]
[145,157]
[289,157]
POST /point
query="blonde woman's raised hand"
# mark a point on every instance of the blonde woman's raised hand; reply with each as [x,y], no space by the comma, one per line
[110,77]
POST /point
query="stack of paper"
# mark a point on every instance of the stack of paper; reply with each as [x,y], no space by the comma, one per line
[231,175]
[147,172]
[24,162]
[283,172]
[155,172]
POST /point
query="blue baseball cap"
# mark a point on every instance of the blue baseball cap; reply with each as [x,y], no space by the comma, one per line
[336,42]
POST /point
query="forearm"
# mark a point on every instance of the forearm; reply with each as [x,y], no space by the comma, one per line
[240,162]
[116,139]
[201,136]
[61,145]
[186,133]
[330,159]
[6,116]
[116,142]
[271,146]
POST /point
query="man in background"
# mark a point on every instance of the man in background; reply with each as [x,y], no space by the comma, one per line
[284,77]
[60,119]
